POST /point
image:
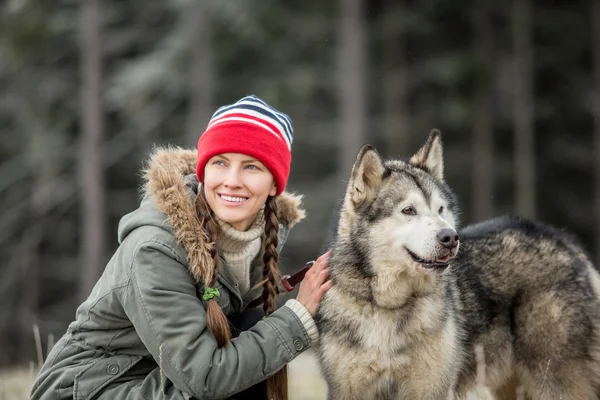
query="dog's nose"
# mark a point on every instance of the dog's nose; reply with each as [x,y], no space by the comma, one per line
[448,238]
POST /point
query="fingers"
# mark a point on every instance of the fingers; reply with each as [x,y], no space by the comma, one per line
[324,288]
[316,283]
[323,275]
[324,257]
[319,272]
[322,283]
[321,263]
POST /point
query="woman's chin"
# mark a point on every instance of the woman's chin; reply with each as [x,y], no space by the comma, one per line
[240,221]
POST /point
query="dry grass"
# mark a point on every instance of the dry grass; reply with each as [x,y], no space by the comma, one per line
[16,384]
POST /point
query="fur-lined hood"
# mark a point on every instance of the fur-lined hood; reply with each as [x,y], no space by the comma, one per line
[165,183]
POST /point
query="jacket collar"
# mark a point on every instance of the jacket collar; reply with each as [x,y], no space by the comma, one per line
[164,181]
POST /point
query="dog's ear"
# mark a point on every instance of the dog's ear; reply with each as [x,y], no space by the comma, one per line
[430,157]
[367,174]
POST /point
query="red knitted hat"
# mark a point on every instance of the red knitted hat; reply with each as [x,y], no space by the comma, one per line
[250,127]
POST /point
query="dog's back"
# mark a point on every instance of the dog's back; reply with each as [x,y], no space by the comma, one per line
[531,300]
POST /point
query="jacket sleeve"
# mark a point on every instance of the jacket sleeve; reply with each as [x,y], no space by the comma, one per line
[162,304]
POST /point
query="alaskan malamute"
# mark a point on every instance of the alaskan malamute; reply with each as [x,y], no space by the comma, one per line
[413,296]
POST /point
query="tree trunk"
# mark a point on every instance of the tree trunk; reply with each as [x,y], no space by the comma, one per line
[351,81]
[202,74]
[395,83]
[483,124]
[523,108]
[596,104]
[90,165]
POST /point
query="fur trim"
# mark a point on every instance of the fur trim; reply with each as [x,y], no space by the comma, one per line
[164,181]
[289,208]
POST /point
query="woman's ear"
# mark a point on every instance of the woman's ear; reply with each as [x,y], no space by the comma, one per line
[273,191]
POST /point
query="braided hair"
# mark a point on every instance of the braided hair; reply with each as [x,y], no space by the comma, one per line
[217,321]
[277,385]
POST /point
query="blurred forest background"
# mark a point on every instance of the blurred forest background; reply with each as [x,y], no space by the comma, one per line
[88,87]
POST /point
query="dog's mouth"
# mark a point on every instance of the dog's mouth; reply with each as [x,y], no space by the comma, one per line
[440,263]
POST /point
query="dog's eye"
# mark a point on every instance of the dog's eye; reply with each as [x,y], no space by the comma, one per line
[441,210]
[409,211]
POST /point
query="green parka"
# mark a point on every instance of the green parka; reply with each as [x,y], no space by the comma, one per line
[146,309]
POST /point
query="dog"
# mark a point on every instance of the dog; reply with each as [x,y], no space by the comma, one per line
[414,298]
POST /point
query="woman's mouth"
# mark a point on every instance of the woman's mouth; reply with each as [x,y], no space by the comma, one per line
[230,199]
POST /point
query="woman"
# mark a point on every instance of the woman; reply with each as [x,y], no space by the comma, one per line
[198,255]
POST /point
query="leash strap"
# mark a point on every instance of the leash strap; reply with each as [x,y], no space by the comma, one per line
[289,282]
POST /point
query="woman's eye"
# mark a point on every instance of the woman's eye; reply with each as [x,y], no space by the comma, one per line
[254,167]
[219,162]
[409,211]
[441,210]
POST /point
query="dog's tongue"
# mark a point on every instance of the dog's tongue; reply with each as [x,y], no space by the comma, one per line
[442,259]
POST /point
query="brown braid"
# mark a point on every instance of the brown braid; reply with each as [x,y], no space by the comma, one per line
[277,385]
[217,321]
[270,256]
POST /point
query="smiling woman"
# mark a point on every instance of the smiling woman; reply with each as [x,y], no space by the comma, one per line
[186,306]
[236,188]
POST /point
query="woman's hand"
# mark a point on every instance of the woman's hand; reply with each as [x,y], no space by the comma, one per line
[315,284]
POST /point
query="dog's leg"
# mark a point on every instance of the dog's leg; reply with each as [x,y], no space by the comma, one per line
[554,344]
[564,382]
[508,391]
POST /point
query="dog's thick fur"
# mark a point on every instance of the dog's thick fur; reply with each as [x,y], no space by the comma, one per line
[402,326]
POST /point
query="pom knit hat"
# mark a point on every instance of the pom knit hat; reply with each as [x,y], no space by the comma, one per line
[250,127]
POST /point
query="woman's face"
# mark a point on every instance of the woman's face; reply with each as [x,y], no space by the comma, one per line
[236,187]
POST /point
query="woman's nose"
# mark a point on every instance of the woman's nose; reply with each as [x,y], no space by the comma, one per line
[233,178]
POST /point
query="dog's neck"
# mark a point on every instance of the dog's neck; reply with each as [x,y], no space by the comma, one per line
[389,288]
[394,288]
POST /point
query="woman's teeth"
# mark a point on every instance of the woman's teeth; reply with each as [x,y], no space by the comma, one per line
[235,199]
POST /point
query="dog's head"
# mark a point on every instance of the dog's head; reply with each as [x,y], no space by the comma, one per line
[402,213]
